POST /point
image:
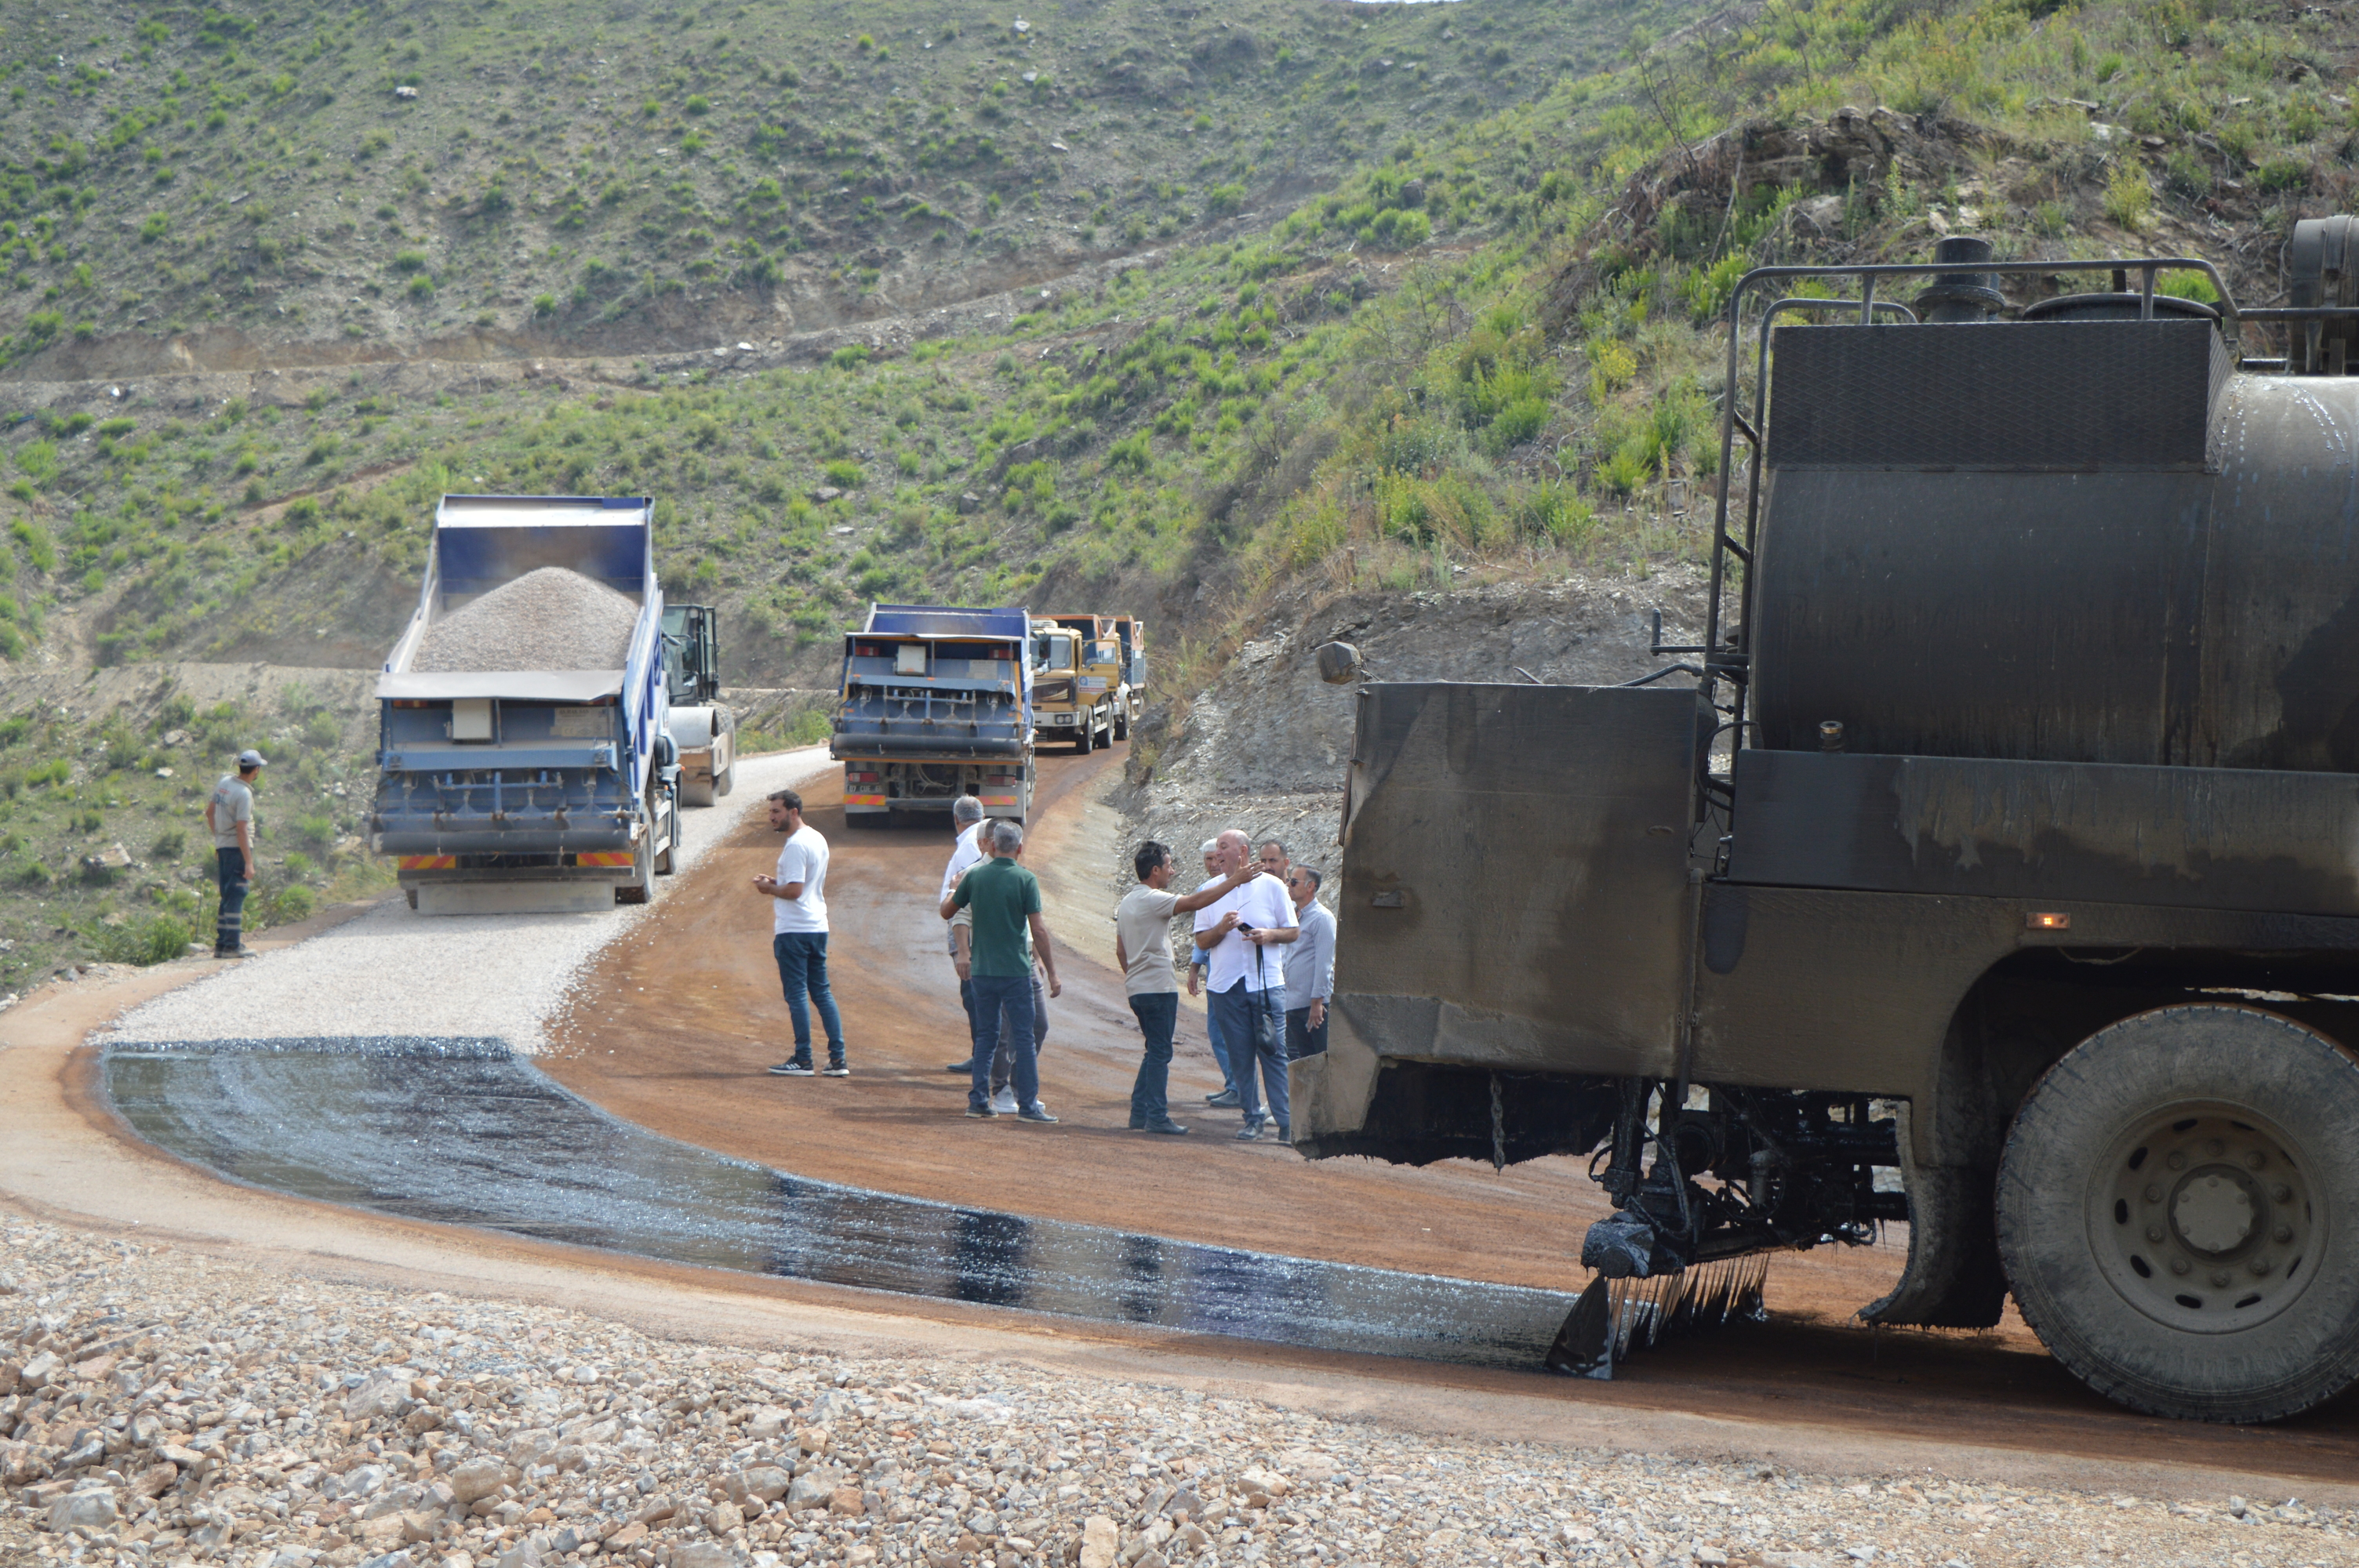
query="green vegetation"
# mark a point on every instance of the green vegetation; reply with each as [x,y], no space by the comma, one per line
[1491,343]
[75,784]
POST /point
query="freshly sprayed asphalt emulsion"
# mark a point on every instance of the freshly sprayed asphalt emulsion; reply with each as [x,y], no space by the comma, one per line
[462,1132]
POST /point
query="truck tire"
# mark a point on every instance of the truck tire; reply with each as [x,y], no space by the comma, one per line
[643,882]
[1086,741]
[2177,1212]
[667,858]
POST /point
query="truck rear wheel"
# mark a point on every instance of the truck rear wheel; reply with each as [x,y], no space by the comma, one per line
[643,881]
[2177,1211]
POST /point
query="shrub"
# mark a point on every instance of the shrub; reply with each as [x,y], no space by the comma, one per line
[844,474]
[169,845]
[2129,199]
[698,104]
[408,261]
[157,939]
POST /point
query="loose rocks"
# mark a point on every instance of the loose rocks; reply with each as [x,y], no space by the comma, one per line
[549,619]
[219,1395]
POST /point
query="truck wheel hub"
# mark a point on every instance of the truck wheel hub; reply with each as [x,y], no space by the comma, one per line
[2203,1218]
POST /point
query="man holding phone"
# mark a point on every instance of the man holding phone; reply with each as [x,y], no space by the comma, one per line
[1247,983]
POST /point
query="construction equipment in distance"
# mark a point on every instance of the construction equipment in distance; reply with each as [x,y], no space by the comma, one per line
[702,726]
[936,702]
[1996,875]
[1111,670]
[1076,666]
[503,791]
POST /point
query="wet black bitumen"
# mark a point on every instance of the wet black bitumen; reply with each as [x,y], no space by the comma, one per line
[462,1132]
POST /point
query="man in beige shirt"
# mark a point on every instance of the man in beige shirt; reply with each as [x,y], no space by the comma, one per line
[1142,949]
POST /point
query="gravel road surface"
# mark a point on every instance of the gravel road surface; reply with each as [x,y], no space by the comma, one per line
[393,973]
[167,1407]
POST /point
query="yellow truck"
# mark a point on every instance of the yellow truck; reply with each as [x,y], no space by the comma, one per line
[1076,673]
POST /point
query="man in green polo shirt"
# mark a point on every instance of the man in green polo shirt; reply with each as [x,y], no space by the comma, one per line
[1006,901]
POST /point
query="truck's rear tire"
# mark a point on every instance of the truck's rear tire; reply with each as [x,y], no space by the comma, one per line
[643,882]
[2177,1211]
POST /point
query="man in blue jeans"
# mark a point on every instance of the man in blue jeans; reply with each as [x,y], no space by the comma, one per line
[1227,1098]
[1236,933]
[798,935]
[1142,950]
[1006,901]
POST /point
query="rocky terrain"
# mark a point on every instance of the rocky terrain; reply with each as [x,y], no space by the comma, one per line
[162,1406]
[1264,748]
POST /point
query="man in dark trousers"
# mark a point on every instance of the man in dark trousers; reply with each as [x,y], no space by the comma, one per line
[1006,901]
[229,817]
[1142,951]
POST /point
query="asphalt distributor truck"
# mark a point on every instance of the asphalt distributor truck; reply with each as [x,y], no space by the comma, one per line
[1998,872]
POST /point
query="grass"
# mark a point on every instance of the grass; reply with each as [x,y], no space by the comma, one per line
[1491,343]
[140,777]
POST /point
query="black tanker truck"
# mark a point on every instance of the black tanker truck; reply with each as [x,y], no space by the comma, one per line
[1998,872]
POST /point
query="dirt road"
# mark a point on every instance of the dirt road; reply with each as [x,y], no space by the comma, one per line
[674,1032]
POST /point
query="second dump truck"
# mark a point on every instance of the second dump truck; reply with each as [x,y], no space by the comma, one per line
[936,702]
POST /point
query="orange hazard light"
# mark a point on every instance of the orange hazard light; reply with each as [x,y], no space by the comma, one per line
[2049,922]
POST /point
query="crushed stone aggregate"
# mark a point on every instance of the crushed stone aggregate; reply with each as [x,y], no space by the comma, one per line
[161,1405]
[549,618]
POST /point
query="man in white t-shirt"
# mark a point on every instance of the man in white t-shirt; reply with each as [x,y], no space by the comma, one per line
[1248,982]
[966,821]
[1142,950]
[798,935]
[1227,1098]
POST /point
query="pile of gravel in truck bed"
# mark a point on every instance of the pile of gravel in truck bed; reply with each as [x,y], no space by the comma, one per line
[549,618]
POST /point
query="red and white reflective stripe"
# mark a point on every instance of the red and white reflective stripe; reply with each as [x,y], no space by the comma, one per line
[997,799]
[429,862]
[604,858]
[864,800]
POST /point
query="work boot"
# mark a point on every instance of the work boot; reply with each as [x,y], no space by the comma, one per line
[1168,1127]
[1225,1100]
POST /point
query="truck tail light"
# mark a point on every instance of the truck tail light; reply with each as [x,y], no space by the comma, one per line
[2049,922]
[860,778]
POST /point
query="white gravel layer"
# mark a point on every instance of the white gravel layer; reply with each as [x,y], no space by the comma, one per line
[393,973]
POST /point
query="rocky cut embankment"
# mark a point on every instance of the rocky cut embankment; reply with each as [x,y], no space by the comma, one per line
[1264,746]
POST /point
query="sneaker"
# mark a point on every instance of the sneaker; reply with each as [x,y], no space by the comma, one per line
[1038,1113]
[1003,1102]
[1168,1127]
[1225,1100]
[798,1068]
[982,1113]
[1250,1130]
[836,1070]
[965,1067]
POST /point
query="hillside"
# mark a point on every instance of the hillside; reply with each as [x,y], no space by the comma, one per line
[1424,341]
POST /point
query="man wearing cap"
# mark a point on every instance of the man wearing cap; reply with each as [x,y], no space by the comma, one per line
[229,817]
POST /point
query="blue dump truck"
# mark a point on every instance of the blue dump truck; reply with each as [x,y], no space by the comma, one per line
[524,759]
[936,703]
